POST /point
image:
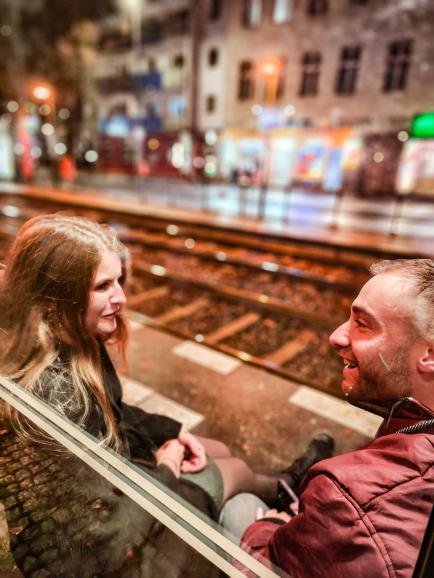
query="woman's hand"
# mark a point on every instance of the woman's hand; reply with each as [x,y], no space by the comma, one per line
[195,458]
[171,454]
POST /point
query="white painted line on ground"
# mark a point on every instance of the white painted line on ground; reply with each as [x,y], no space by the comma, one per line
[164,406]
[136,393]
[214,360]
[336,410]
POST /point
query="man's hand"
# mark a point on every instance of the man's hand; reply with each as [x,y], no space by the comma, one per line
[194,458]
[272,514]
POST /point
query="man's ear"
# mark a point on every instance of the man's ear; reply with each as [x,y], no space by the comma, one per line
[426,361]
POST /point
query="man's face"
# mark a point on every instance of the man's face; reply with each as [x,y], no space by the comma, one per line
[379,343]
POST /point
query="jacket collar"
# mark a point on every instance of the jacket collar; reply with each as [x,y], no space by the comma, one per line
[398,414]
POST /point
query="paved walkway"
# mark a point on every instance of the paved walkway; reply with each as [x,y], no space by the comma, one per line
[263,418]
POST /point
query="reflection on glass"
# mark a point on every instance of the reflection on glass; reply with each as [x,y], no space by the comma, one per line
[63,301]
[86,512]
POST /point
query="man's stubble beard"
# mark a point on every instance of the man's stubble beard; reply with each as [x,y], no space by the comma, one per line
[377,382]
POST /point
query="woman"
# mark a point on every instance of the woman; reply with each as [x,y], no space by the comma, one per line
[62,300]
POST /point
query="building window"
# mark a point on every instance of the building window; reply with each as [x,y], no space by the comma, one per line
[346,80]
[246,85]
[282,11]
[311,64]
[215,9]
[398,65]
[252,13]
[210,103]
[316,7]
[213,57]
[178,61]
[152,66]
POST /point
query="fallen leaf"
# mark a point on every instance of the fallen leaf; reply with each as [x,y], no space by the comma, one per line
[17,530]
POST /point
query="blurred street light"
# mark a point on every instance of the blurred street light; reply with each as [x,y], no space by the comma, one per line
[270,69]
[12,106]
[41,92]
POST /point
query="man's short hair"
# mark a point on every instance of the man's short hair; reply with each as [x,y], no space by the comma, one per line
[421,273]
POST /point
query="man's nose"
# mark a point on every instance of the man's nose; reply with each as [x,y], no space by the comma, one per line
[340,336]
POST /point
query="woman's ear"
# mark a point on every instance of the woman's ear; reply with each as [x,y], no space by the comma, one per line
[426,361]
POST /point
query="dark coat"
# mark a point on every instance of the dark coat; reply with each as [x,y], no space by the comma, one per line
[142,432]
[66,521]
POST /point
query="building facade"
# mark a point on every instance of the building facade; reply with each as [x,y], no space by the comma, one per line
[317,92]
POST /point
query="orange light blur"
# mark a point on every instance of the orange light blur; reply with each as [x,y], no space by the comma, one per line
[269,67]
[41,92]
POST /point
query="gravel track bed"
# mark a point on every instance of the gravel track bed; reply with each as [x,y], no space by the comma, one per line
[209,318]
[139,283]
[318,363]
[332,272]
[302,295]
[266,335]
[176,296]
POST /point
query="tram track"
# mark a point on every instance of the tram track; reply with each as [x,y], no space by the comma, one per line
[321,259]
[266,333]
[254,299]
[252,260]
[266,301]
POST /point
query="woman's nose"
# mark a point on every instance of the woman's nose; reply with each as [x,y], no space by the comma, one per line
[118,296]
[340,337]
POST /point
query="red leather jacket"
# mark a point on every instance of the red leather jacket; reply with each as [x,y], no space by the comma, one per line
[362,514]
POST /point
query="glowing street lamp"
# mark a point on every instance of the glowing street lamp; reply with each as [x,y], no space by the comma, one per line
[270,70]
[44,94]
[41,92]
[269,67]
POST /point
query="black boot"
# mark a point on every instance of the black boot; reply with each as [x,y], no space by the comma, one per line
[319,448]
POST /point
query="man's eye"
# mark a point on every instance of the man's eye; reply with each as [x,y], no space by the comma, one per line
[359,323]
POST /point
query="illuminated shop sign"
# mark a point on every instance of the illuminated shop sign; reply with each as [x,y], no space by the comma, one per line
[422,125]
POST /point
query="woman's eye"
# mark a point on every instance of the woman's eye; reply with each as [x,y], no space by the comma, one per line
[102,286]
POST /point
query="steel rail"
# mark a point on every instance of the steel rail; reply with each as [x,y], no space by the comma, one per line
[183,217]
[274,268]
[245,357]
[257,300]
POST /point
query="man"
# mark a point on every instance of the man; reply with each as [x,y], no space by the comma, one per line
[364,513]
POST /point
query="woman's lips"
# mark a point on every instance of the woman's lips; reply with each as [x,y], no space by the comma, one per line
[110,315]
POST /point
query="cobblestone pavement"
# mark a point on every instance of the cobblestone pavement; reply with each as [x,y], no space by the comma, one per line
[67,522]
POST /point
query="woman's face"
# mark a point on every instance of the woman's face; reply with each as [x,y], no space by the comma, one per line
[106,297]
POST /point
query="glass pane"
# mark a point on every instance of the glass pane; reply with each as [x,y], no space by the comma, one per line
[76,508]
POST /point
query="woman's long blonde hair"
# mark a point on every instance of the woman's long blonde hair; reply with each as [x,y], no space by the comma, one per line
[44,296]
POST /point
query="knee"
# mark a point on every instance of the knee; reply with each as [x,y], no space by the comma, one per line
[222,449]
[215,448]
[239,512]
